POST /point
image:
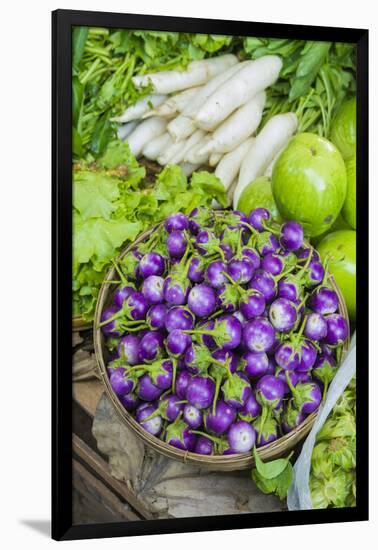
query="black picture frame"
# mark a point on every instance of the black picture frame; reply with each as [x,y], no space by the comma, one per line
[62,22]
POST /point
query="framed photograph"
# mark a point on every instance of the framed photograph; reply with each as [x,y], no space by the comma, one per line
[210,202]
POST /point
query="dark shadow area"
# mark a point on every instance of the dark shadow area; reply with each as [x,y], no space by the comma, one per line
[42,526]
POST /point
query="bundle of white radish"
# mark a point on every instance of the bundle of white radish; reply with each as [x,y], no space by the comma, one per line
[136,111]
[273,137]
[208,115]
[237,90]
[197,73]
[144,132]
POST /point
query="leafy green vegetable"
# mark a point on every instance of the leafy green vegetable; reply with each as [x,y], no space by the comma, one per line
[314,80]
[113,203]
[274,477]
[333,461]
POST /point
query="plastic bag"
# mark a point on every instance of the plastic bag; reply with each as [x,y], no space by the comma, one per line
[299,496]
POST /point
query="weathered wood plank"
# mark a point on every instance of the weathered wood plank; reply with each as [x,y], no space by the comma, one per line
[102,468]
[87,393]
[82,479]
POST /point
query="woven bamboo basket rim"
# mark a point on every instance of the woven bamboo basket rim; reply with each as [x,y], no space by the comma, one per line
[240,461]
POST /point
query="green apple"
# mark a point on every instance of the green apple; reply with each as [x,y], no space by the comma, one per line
[309,183]
[340,247]
[343,129]
[258,194]
[349,208]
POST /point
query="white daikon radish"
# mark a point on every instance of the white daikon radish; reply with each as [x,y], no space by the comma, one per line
[166,155]
[126,129]
[272,138]
[237,90]
[268,172]
[145,132]
[141,107]
[199,99]
[197,73]
[228,168]
[214,159]
[189,168]
[174,104]
[188,144]
[181,127]
[193,154]
[237,127]
[156,146]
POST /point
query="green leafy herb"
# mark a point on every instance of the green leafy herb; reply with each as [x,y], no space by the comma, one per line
[273,477]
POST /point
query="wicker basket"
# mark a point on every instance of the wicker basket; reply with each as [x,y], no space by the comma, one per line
[242,461]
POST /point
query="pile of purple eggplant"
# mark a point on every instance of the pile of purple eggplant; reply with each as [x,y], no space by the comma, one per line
[224,331]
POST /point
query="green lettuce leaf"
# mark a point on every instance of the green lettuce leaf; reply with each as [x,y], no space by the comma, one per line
[94,194]
[97,239]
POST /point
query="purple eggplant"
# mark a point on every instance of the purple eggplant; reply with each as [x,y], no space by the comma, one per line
[258,335]
[151,346]
[192,416]
[200,391]
[176,244]
[270,391]
[179,435]
[152,289]
[291,418]
[177,343]
[202,300]
[182,380]
[308,355]
[204,446]
[258,217]
[337,329]
[291,236]
[121,294]
[147,391]
[266,430]
[324,300]
[214,274]
[152,425]
[273,264]
[196,271]
[287,356]
[179,318]
[156,315]
[176,222]
[265,283]
[241,270]
[130,401]
[220,422]
[315,327]
[252,303]
[255,364]
[250,410]
[241,436]
[283,315]
[151,264]
[128,349]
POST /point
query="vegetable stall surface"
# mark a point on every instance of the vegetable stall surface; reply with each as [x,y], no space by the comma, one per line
[228,333]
